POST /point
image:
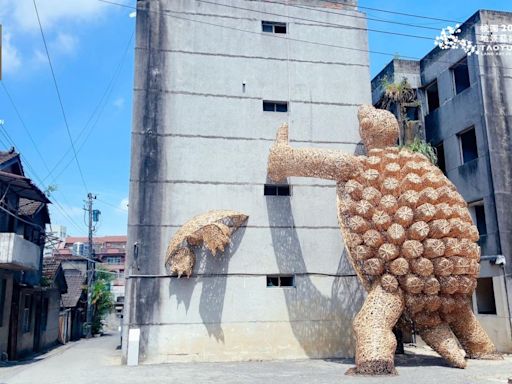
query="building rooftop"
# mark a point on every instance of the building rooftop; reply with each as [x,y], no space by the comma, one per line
[75,281]
[5,156]
[97,240]
[23,187]
[50,267]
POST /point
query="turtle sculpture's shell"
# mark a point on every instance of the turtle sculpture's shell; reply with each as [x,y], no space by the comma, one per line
[407,227]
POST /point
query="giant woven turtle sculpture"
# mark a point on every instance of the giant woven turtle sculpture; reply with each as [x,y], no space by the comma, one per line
[409,237]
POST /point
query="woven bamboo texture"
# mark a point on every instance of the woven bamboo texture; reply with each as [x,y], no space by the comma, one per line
[212,230]
[409,237]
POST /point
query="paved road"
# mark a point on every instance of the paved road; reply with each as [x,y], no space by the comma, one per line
[97,361]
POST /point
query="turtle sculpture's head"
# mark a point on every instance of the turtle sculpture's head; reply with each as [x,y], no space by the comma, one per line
[378,128]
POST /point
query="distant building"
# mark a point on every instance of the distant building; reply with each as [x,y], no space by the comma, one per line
[29,307]
[466,111]
[210,91]
[55,234]
[110,251]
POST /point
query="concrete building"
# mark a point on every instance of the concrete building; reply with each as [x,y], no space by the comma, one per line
[213,82]
[29,309]
[110,252]
[466,104]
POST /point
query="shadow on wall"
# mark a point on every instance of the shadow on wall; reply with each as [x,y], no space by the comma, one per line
[322,324]
[213,286]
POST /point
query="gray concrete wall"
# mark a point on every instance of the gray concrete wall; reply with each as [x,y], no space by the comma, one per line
[486,106]
[50,335]
[18,253]
[495,74]
[200,141]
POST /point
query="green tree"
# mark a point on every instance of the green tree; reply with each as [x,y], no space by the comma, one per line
[102,299]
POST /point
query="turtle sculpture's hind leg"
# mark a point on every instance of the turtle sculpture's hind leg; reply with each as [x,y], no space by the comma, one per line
[442,340]
[373,326]
[471,335]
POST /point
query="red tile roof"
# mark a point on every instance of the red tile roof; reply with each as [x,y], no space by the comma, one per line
[97,240]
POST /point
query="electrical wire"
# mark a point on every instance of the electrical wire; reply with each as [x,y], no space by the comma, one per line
[391,12]
[60,98]
[429,38]
[317,9]
[315,21]
[277,36]
[27,131]
[98,111]
[11,142]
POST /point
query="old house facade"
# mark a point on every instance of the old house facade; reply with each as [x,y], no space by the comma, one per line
[212,85]
[466,109]
[29,308]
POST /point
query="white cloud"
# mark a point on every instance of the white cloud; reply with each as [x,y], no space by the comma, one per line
[132,14]
[123,205]
[11,55]
[52,12]
[64,43]
[119,102]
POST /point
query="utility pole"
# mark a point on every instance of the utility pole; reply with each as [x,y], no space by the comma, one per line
[90,265]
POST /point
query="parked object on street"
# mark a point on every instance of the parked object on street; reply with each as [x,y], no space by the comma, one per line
[409,237]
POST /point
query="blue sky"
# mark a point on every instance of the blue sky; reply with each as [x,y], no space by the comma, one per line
[87,40]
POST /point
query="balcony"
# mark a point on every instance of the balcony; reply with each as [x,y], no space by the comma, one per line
[17,253]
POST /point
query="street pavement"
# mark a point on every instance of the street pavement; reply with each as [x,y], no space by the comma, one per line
[98,361]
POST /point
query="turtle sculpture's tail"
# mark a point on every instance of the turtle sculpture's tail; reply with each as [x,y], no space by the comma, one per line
[212,230]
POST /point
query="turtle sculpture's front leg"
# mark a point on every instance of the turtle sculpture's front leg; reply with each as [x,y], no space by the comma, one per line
[373,326]
[285,161]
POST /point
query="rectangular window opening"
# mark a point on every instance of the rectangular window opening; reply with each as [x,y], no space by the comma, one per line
[485,300]
[412,113]
[432,97]
[281,281]
[113,260]
[273,27]
[275,106]
[460,73]
[477,211]
[469,149]
[441,164]
[276,190]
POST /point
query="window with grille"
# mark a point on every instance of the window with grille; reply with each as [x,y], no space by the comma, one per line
[275,106]
[280,281]
[276,190]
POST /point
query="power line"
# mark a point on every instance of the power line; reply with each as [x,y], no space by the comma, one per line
[316,21]
[27,131]
[98,111]
[11,142]
[277,36]
[330,23]
[59,97]
[391,12]
[316,9]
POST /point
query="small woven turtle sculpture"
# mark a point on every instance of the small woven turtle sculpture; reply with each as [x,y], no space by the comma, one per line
[409,237]
[212,229]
